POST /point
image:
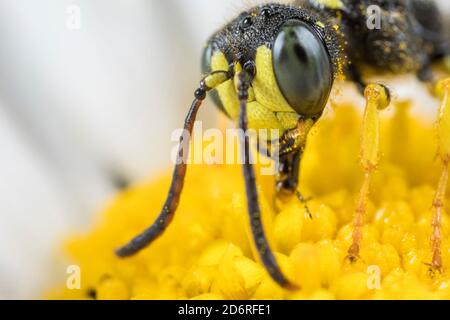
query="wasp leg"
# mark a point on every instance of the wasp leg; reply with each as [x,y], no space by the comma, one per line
[295,139]
[287,178]
[176,187]
[377,98]
[443,130]
[290,152]
[436,223]
[254,211]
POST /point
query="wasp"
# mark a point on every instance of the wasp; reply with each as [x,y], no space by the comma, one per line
[274,66]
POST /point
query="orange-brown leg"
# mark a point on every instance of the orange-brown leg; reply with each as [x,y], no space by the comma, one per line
[436,223]
[377,98]
[443,133]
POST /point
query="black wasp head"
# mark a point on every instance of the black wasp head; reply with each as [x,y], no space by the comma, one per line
[303,49]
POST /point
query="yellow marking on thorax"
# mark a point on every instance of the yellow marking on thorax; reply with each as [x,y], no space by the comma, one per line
[267,108]
[320,24]
[330,4]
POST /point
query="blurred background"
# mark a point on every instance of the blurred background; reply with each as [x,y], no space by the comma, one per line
[90,92]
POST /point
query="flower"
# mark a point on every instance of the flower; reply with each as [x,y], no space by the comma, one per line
[207,253]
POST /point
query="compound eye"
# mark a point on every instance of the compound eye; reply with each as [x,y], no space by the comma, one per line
[206,59]
[303,68]
[208,52]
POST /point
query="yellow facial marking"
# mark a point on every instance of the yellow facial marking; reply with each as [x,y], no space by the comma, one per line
[260,117]
[226,91]
[267,108]
[265,85]
[288,119]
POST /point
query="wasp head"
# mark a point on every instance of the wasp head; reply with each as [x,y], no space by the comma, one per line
[292,45]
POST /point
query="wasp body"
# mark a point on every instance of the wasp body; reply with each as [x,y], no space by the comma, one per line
[273,67]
